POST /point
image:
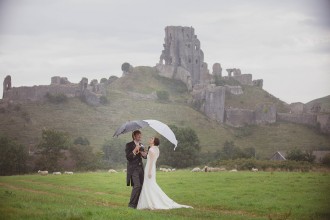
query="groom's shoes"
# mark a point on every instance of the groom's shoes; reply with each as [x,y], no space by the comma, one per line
[130,206]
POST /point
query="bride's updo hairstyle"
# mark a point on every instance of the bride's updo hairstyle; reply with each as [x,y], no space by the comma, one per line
[156,141]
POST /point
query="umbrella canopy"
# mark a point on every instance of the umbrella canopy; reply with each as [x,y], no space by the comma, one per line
[130,126]
[163,130]
[158,126]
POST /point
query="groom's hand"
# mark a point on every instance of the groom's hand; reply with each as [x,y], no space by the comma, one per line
[136,149]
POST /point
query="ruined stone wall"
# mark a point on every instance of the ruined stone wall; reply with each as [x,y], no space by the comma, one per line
[38,93]
[165,70]
[184,76]
[215,103]
[181,74]
[182,49]
[305,119]
[244,79]
[258,83]
[297,108]
[59,85]
[324,122]
[265,113]
[211,101]
[239,117]
[235,90]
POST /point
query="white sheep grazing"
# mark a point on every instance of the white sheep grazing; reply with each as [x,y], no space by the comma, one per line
[43,173]
[124,170]
[57,173]
[213,169]
[196,169]
[173,170]
[233,170]
[165,170]
[112,171]
[254,170]
[67,172]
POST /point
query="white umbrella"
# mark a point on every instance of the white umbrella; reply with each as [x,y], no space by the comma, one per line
[163,130]
[158,126]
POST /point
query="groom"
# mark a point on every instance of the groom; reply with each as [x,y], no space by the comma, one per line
[135,174]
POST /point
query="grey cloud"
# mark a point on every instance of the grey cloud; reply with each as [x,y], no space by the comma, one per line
[42,38]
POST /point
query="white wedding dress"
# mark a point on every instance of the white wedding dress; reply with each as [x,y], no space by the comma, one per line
[152,196]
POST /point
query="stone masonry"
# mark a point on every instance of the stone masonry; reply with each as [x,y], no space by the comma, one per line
[59,85]
[182,52]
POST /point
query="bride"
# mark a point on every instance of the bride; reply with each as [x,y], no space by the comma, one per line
[152,196]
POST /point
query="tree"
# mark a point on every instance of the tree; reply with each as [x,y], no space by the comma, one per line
[230,151]
[187,152]
[114,152]
[103,80]
[326,160]
[104,100]
[50,147]
[249,152]
[84,157]
[163,95]
[125,67]
[298,155]
[13,157]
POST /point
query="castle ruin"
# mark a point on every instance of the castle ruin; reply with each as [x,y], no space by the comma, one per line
[90,93]
[183,59]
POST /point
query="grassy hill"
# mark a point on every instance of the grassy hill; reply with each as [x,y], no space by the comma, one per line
[25,122]
[323,102]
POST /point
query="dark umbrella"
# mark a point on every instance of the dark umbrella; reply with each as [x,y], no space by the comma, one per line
[130,126]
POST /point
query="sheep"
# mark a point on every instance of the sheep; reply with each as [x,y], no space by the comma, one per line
[213,169]
[43,173]
[112,171]
[254,169]
[173,170]
[233,170]
[124,170]
[67,172]
[196,169]
[164,169]
[57,173]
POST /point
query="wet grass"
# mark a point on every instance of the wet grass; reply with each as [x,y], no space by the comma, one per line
[223,195]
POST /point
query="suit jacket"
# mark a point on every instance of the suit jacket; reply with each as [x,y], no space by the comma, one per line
[133,162]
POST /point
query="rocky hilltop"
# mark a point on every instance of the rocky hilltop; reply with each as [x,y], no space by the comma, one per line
[209,92]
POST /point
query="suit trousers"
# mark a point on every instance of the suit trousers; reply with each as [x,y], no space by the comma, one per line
[137,186]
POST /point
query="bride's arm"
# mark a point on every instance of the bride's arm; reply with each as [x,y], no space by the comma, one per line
[151,159]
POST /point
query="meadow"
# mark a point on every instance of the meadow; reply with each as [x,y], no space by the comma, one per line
[221,195]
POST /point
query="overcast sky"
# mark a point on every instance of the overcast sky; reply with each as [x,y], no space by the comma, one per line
[284,42]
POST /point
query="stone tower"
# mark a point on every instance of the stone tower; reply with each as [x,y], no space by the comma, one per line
[183,49]
[6,85]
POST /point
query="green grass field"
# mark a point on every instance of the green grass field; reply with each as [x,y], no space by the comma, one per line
[223,195]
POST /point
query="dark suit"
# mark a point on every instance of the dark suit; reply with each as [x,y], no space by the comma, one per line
[135,173]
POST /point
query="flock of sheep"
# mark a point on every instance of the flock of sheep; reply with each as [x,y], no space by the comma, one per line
[45,172]
[196,169]
[217,169]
